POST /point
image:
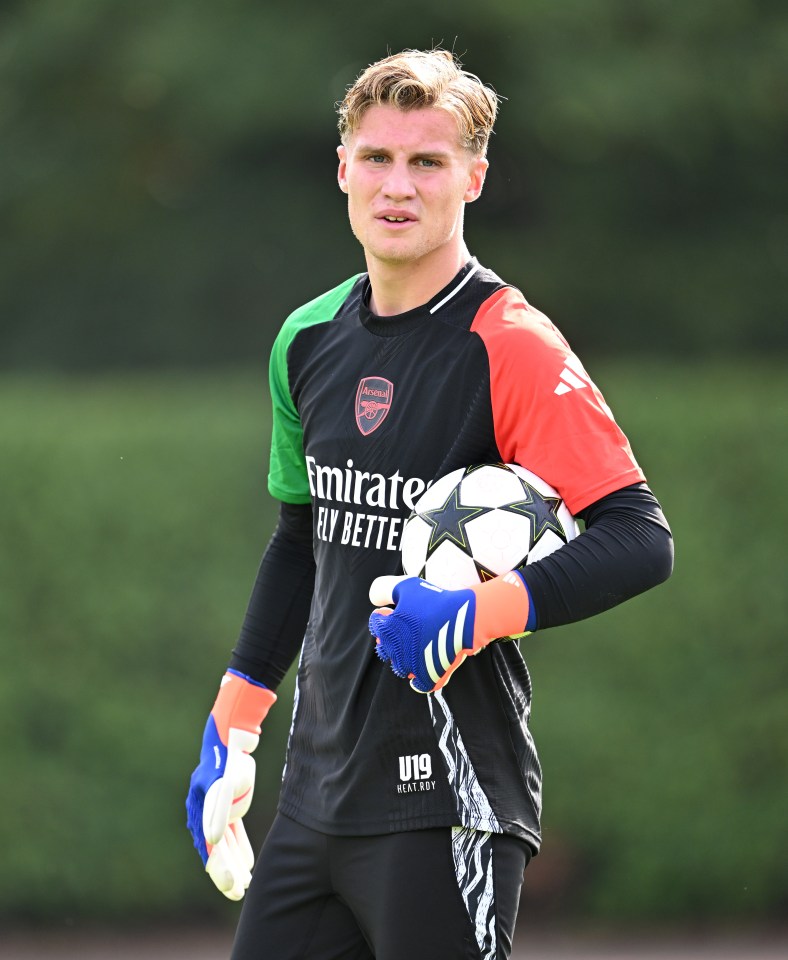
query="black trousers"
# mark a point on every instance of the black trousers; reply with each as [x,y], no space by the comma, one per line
[438,894]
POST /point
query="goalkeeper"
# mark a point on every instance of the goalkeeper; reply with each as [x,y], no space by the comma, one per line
[409,806]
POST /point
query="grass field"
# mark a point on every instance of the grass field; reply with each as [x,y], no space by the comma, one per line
[188,945]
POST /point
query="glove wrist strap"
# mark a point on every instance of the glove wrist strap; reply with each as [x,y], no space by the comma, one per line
[241,704]
[502,607]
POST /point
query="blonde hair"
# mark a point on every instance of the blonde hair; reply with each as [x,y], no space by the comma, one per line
[423,78]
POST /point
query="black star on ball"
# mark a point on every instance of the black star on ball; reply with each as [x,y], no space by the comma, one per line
[448,522]
[541,511]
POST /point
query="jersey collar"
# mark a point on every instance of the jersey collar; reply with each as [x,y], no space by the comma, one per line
[403,322]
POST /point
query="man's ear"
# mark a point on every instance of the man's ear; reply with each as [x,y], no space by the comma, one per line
[342,171]
[476,177]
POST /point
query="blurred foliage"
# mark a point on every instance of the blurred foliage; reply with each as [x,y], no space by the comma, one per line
[663,724]
[167,173]
[135,517]
[166,198]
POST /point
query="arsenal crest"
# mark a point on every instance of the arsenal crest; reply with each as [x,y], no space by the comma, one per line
[373,401]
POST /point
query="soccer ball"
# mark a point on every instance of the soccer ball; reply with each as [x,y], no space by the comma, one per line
[481,521]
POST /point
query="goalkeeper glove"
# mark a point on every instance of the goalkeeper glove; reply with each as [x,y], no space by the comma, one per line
[221,787]
[431,631]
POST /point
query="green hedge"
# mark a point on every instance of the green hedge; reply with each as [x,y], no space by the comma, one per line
[133,516]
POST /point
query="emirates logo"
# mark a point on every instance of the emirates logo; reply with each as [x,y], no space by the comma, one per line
[373,402]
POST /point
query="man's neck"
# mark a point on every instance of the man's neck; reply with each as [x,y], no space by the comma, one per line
[399,287]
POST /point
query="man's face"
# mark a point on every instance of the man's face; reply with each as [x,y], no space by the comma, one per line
[408,178]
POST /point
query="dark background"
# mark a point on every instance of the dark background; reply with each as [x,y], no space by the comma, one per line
[167,170]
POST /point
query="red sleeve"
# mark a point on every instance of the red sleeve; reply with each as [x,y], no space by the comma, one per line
[549,416]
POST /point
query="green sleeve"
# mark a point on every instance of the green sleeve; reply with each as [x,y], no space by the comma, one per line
[287,476]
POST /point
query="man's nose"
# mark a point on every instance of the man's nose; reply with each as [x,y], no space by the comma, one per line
[399,182]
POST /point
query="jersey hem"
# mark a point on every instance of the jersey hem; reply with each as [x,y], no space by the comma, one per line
[279,493]
[626,479]
[376,828]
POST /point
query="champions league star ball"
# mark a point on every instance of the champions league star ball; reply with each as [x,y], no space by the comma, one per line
[481,521]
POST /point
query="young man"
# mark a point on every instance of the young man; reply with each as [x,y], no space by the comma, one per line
[406,821]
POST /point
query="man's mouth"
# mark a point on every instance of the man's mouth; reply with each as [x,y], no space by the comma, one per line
[395,217]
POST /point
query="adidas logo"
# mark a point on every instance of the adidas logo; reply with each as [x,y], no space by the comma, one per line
[448,648]
[572,377]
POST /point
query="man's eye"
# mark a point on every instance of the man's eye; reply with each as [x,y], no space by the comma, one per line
[426,162]
[377,158]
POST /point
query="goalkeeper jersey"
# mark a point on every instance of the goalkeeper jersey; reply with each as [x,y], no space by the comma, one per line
[367,412]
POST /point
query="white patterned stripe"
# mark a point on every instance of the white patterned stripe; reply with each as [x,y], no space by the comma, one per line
[295,711]
[473,806]
[473,866]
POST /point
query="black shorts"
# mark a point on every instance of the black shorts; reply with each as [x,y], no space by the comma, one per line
[440,893]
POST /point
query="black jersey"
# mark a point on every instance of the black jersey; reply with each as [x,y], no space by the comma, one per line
[367,412]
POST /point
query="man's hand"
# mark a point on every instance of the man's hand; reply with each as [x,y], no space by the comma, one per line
[221,787]
[431,631]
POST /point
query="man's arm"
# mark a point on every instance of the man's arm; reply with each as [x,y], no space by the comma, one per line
[278,610]
[626,549]
[222,784]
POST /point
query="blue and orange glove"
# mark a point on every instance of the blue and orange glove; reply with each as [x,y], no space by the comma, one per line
[221,787]
[430,631]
